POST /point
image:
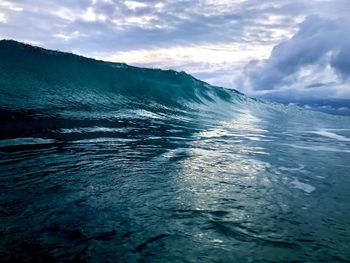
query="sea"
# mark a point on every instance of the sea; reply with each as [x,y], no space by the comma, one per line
[105,162]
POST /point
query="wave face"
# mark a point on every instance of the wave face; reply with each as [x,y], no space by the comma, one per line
[107,161]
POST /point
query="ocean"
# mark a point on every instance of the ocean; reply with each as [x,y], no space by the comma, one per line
[105,162]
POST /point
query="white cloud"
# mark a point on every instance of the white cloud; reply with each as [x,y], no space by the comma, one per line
[65,14]
[134,4]
[10,6]
[2,18]
[210,53]
[68,36]
[90,15]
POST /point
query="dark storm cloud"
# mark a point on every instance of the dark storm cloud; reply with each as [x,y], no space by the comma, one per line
[341,59]
[314,39]
[319,43]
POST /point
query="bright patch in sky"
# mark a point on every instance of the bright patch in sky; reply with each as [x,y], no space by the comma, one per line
[2,18]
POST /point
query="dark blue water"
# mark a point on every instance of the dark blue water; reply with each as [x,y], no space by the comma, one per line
[105,162]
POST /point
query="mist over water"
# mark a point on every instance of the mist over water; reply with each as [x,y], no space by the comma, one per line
[103,161]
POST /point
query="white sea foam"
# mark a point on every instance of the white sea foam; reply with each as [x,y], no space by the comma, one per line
[94,129]
[332,135]
[292,169]
[307,188]
[104,140]
[317,148]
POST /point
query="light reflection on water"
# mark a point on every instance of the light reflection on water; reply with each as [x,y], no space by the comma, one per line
[161,189]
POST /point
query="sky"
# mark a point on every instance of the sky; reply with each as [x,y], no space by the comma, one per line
[281,49]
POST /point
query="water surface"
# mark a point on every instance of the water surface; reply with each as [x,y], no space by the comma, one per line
[106,162]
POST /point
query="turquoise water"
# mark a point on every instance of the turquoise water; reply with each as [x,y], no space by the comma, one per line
[112,163]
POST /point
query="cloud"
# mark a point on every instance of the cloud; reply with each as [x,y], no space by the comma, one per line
[316,55]
[211,39]
[124,25]
[341,60]
[2,18]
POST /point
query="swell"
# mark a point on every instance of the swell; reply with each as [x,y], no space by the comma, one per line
[32,77]
[45,92]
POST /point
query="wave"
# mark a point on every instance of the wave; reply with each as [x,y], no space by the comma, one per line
[50,90]
[44,78]
[105,159]
[45,91]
